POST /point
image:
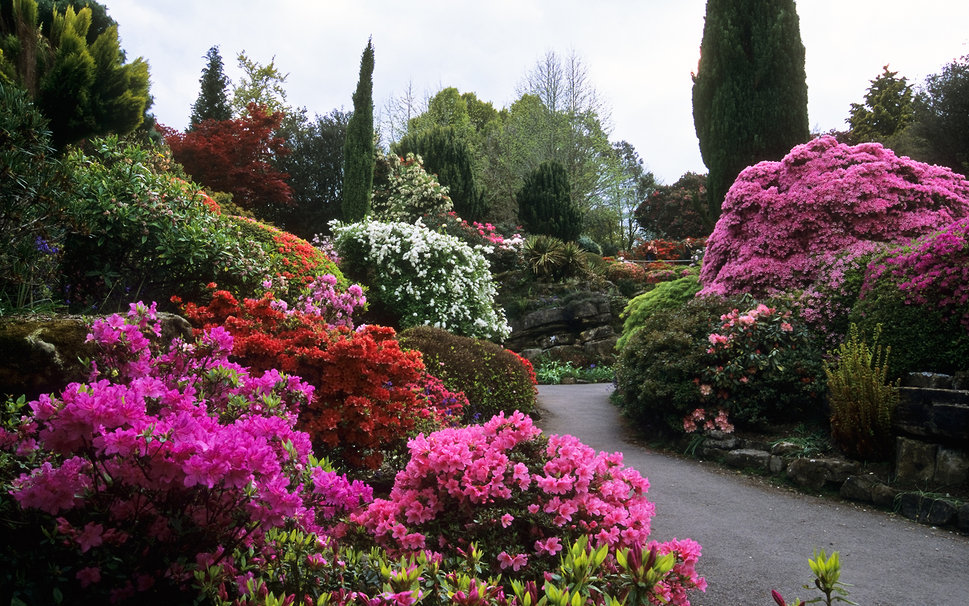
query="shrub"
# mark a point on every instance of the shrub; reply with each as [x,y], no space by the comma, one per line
[494,379]
[657,375]
[629,278]
[504,252]
[549,258]
[821,198]
[666,295]
[677,211]
[161,462]
[545,203]
[521,497]
[404,191]
[422,277]
[862,400]
[763,366]
[368,393]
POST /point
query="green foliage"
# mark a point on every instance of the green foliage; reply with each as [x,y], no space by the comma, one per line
[750,91]
[545,203]
[861,398]
[404,191]
[942,116]
[213,100]
[358,151]
[261,85]
[493,378]
[887,111]
[82,85]
[657,371]
[142,233]
[448,157]
[922,338]
[548,258]
[551,372]
[31,194]
[666,295]
[677,211]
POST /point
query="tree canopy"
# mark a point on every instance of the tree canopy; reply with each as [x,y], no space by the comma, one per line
[213,99]
[887,110]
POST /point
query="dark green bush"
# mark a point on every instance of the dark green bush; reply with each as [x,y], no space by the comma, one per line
[666,295]
[494,379]
[658,369]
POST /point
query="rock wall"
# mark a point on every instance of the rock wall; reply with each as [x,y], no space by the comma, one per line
[581,331]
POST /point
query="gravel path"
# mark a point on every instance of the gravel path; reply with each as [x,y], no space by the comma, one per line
[757,537]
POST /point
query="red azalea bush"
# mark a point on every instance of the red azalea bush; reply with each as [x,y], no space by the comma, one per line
[369,393]
[667,250]
[823,197]
[159,464]
[628,277]
[522,498]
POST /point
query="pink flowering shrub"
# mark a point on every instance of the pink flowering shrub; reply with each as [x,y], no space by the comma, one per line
[163,461]
[920,294]
[762,365]
[823,197]
[521,497]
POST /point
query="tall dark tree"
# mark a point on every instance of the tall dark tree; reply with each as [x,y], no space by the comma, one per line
[315,168]
[80,82]
[449,157]
[358,153]
[545,203]
[750,90]
[942,116]
[213,100]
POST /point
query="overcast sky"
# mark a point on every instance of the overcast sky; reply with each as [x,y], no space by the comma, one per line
[640,53]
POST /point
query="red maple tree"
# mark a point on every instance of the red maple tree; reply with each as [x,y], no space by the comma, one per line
[235,156]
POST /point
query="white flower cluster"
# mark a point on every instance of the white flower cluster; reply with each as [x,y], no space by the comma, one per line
[429,277]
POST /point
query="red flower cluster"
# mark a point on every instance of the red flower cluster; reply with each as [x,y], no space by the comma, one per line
[369,394]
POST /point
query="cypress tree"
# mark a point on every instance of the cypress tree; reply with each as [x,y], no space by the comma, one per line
[750,90]
[358,151]
[545,203]
[213,100]
[449,157]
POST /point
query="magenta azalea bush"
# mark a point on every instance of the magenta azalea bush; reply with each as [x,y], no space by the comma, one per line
[521,498]
[823,197]
[164,462]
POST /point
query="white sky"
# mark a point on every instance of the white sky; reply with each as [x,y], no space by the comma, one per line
[639,53]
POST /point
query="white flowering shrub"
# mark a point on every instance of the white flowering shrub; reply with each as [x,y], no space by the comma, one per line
[404,191]
[426,277]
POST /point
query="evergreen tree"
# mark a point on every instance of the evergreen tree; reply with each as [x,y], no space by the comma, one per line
[750,91]
[83,87]
[213,100]
[942,116]
[450,158]
[545,203]
[887,110]
[358,152]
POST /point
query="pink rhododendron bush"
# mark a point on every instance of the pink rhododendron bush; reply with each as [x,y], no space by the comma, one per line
[160,463]
[822,198]
[521,498]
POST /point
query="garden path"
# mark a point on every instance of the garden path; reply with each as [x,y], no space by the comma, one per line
[757,537]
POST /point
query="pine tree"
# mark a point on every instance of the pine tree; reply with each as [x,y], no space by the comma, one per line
[450,158]
[213,100]
[750,90]
[358,153]
[888,108]
[545,203]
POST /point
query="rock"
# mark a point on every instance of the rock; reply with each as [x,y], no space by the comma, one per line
[883,495]
[939,415]
[807,473]
[910,504]
[776,464]
[930,380]
[938,512]
[599,333]
[747,459]
[963,518]
[604,350]
[726,442]
[544,317]
[858,488]
[531,354]
[785,448]
[951,467]
[557,340]
[960,380]
[914,461]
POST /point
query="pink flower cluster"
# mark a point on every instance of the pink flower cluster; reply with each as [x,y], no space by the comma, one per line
[823,197]
[521,496]
[322,298]
[698,418]
[489,233]
[179,453]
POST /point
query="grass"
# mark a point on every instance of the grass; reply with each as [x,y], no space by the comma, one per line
[551,372]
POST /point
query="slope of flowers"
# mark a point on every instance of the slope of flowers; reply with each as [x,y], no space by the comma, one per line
[521,498]
[368,392]
[164,459]
[821,198]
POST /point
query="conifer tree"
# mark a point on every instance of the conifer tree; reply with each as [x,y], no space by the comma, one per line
[358,152]
[750,91]
[545,203]
[450,158]
[888,108]
[213,99]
